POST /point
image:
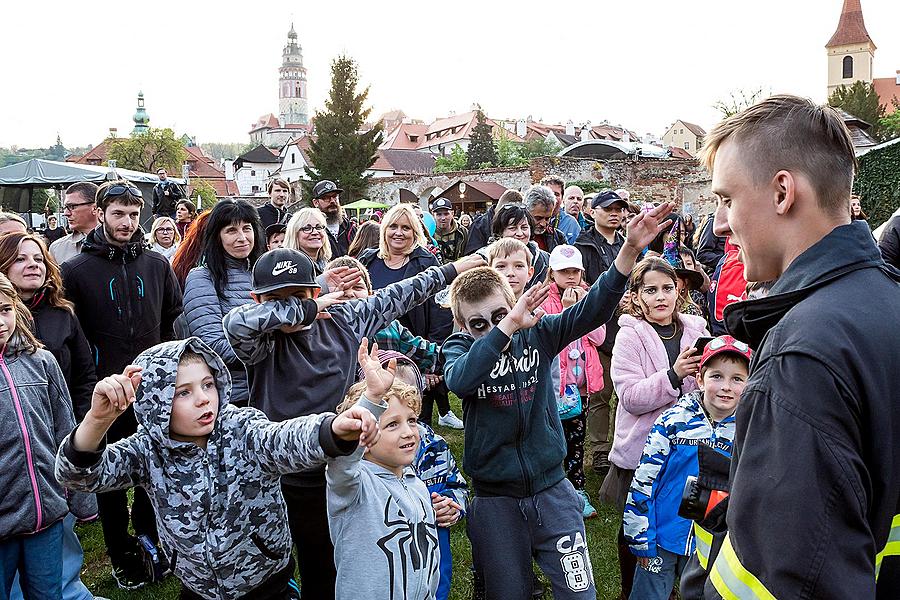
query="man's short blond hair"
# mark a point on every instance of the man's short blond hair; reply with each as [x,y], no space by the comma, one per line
[792,134]
[474,286]
[505,247]
[403,392]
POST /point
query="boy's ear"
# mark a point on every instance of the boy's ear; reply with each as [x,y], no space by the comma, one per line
[530,271]
[316,292]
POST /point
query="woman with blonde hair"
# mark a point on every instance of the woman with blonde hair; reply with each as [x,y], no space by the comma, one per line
[164,237]
[401,254]
[306,231]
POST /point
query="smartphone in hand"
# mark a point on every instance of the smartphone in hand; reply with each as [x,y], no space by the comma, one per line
[701,343]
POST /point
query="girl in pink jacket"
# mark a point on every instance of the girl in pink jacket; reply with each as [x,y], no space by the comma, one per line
[581,374]
[653,364]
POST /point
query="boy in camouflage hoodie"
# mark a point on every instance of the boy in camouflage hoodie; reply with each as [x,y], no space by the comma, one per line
[212,470]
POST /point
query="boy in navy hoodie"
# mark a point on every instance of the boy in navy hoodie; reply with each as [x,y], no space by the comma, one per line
[499,364]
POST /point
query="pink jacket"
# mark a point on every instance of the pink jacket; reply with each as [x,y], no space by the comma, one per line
[639,374]
[593,370]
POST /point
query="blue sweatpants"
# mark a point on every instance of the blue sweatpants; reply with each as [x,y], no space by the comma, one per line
[505,532]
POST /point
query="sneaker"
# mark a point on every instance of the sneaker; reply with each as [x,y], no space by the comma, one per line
[130,573]
[601,465]
[587,511]
[450,420]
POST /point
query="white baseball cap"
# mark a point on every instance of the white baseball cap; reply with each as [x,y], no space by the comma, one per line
[566,257]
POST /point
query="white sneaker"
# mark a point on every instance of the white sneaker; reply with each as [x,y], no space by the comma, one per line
[450,420]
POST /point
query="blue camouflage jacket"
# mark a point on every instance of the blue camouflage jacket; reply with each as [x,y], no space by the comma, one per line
[436,467]
[670,456]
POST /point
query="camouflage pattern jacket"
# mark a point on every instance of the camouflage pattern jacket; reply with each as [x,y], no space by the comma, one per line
[436,467]
[670,456]
[221,516]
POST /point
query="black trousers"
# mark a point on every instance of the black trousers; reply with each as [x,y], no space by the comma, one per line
[439,395]
[113,506]
[308,520]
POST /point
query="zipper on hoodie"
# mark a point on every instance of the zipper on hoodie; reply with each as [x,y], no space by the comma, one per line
[127,285]
[29,458]
[415,537]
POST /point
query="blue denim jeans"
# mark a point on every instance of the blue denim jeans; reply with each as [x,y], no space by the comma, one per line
[38,559]
[656,581]
[72,561]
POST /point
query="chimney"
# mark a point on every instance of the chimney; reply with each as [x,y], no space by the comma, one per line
[898,77]
[585,133]
[570,127]
[113,130]
[229,170]
[521,129]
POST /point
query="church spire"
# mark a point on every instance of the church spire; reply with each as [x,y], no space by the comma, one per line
[141,118]
[851,27]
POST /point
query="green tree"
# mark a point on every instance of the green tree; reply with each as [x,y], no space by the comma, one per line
[509,153]
[155,149]
[203,194]
[222,151]
[738,100]
[539,147]
[455,161]
[341,153]
[890,124]
[862,101]
[482,153]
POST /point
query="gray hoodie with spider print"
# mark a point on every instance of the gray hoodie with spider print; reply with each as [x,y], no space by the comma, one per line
[221,516]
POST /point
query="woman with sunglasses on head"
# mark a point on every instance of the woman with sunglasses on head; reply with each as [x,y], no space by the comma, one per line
[232,241]
[306,233]
[513,220]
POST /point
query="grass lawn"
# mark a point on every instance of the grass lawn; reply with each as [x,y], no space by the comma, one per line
[601,533]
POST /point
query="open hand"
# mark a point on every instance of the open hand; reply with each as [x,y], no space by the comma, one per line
[527,311]
[644,227]
[114,394]
[378,379]
[357,423]
[341,278]
[446,511]
[469,262]
[330,299]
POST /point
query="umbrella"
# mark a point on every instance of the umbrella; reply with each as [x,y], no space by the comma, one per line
[365,204]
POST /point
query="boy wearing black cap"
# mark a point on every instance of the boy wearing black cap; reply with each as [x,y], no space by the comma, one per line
[301,360]
[275,235]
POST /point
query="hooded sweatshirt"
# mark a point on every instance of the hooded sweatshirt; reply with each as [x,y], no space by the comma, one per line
[35,416]
[383,529]
[514,442]
[219,510]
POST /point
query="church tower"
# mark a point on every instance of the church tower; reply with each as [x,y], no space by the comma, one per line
[851,51]
[141,118]
[292,102]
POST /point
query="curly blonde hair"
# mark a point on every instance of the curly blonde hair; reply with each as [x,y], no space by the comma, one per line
[402,392]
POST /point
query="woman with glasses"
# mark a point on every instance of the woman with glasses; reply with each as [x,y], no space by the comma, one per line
[232,241]
[27,263]
[306,232]
[512,220]
[163,237]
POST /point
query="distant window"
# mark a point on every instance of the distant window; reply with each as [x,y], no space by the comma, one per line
[848,67]
[687,145]
[293,158]
[252,173]
[681,131]
[414,138]
[255,188]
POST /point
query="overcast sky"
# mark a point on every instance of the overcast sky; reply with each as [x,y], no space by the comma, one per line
[211,69]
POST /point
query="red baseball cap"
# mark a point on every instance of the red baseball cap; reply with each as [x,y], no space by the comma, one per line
[725,343]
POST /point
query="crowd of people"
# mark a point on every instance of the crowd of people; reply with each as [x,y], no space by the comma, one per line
[247,393]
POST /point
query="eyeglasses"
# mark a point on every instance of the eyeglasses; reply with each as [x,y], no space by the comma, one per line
[512,205]
[165,230]
[120,190]
[310,228]
[73,205]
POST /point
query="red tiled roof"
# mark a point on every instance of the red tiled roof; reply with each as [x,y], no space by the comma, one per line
[381,163]
[679,153]
[888,90]
[400,138]
[851,27]
[267,121]
[695,129]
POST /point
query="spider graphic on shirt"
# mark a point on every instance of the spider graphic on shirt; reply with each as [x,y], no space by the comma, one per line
[408,544]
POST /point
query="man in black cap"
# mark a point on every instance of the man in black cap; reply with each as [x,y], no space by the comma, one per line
[327,198]
[451,237]
[599,246]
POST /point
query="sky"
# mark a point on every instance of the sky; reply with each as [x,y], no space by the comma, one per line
[211,69]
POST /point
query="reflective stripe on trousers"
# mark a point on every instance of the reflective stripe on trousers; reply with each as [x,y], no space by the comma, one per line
[892,547]
[732,580]
[703,540]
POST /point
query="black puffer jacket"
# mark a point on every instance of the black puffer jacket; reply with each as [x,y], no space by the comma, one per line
[61,334]
[427,319]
